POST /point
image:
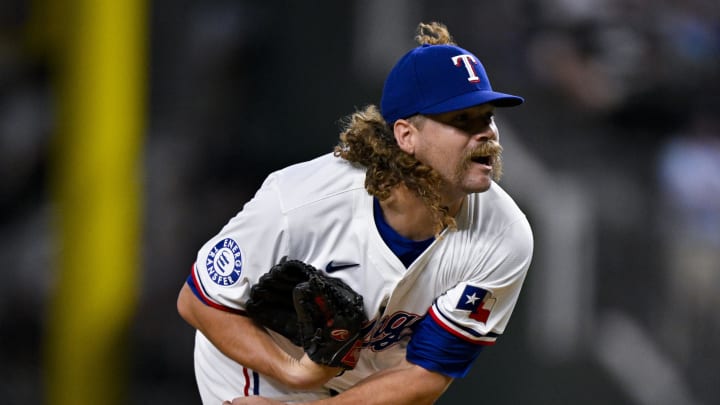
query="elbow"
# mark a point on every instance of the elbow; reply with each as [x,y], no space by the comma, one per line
[182,308]
[432,384]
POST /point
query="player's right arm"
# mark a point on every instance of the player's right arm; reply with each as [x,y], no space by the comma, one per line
[404,384]
[239,338]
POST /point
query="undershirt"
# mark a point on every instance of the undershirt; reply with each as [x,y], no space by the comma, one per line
[407,250]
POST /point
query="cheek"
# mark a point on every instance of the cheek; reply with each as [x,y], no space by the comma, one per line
[430,153]
[442,151]
[445,159]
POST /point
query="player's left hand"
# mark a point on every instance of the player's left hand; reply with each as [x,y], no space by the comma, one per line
[330,316]
[322,314]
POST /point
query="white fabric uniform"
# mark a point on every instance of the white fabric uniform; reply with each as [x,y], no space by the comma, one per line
[319,212]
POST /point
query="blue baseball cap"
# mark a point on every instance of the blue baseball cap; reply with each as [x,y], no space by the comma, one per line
[433,79]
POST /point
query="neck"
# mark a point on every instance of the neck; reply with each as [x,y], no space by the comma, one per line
[408,215]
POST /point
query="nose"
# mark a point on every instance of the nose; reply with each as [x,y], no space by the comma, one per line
[487,133]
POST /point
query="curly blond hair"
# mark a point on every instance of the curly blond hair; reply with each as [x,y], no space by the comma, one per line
[369,141]
[366,139]
[433,33]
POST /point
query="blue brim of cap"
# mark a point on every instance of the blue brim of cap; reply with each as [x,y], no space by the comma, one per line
[472,99]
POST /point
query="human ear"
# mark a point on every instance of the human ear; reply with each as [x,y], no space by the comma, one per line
[404,133]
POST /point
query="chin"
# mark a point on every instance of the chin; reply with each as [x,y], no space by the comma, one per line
[479,188]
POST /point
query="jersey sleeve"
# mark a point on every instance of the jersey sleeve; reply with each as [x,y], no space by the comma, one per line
[228,264]
[475,312]
[435,349]
[478,310]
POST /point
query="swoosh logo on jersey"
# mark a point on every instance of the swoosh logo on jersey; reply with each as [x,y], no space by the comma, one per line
[333,267]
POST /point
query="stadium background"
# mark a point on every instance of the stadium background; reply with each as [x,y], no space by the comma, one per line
[131,131]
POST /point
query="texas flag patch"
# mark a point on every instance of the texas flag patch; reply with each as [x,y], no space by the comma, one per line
[478,301]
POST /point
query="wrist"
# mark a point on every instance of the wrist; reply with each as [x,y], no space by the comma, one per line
[304,373]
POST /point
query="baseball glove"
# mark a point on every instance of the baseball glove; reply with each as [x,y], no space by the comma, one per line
[330,316]
[271,299]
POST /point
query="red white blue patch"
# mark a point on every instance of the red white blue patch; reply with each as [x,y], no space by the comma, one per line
[224,263]
[478,301]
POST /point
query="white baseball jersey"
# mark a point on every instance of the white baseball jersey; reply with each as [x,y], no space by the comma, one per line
[319,212]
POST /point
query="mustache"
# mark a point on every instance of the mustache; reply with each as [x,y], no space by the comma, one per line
[488,152]
[488,148]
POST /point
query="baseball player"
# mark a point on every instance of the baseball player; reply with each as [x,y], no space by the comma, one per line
[406,212]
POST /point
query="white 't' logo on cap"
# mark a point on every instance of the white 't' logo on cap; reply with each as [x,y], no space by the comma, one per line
[468,60]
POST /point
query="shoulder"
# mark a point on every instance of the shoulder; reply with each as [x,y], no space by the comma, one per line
[495,206]
[495,216]
[315,180]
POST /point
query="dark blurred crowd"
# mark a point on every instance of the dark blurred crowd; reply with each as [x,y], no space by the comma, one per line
[622,96]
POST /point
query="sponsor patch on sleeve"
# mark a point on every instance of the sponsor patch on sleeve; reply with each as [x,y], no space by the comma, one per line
[224,262]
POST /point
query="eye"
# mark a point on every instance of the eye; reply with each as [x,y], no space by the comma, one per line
[489,118]
[460,119]
[470,121]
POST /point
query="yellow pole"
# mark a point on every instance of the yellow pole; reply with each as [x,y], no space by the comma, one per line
[96,189]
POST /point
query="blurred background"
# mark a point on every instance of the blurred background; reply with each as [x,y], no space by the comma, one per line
[131,131]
